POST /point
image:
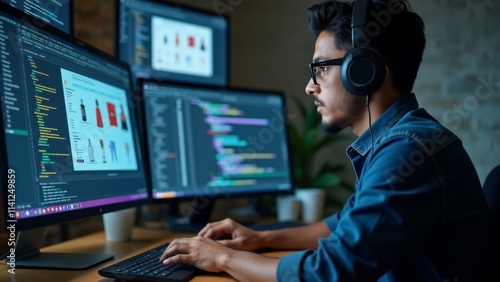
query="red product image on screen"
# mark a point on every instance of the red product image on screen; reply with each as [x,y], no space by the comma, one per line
[98,115]
[191,42]
[112,114]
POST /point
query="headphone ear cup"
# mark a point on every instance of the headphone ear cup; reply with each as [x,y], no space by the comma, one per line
[362,72]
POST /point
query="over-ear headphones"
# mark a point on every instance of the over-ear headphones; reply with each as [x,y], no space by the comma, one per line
[363,70]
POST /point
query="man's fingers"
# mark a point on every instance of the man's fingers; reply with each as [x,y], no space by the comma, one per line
[178,258]
[216,229]
[177,246]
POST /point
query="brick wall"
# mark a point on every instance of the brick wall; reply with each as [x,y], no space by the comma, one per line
[459,80]
[94,23]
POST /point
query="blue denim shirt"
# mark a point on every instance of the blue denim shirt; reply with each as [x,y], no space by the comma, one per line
[418,212]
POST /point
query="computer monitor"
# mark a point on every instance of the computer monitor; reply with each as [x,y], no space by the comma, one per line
[69,141]
[178,43]
[57,13]
[207,143]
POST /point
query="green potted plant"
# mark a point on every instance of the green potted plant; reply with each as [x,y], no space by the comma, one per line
[307,140]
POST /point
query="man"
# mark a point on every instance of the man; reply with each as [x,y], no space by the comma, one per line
[418,213]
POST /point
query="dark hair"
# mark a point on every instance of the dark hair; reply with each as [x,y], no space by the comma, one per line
[392,29]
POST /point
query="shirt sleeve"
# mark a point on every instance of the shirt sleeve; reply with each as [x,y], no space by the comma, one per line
[333,220]
[398,200]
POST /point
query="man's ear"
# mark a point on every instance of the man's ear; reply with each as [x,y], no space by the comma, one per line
[387,72]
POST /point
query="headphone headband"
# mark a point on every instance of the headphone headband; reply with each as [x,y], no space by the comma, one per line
[359,15]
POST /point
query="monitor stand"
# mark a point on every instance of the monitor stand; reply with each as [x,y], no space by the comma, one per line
[27,254]
[198,215]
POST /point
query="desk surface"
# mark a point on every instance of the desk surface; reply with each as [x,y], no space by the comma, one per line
[142,240]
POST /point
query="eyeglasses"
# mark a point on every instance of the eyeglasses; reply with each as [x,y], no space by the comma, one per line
[315,68]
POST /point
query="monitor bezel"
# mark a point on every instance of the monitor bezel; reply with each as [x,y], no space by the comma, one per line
[211,196]
[71,17]
[189,9]
[67,216]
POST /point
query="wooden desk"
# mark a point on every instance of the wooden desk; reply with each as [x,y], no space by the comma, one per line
[142,240]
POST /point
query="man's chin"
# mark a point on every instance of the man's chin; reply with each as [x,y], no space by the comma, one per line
[331,128]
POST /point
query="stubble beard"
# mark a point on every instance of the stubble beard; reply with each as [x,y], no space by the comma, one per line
[331,128]
[352,105]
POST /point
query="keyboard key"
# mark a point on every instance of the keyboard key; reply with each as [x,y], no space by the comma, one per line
[146,266]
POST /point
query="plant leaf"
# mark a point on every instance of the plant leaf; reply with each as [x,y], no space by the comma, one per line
[325,168]
[306,141]
[309,141]
[313,118]
[326,179]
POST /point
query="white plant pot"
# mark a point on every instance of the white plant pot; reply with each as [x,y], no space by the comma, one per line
[313,203]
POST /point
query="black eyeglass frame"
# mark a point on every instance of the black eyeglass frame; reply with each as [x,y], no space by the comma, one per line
[333,62]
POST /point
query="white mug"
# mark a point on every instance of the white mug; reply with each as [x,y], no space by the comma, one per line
[118,225]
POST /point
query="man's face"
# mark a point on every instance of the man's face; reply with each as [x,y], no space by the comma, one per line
[339,108]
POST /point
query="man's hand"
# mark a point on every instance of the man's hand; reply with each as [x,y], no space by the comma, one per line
[232,234]
[210,255]
[204,253]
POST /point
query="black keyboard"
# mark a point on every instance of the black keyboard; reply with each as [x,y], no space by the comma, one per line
[147,267]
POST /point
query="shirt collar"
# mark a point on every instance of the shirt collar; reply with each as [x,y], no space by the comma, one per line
[391,116]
